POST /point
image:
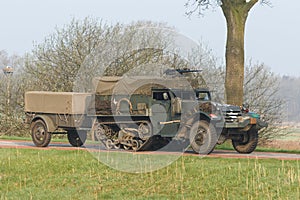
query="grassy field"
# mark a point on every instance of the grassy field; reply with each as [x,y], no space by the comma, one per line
[54,174]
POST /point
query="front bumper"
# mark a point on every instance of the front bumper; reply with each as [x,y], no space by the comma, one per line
[243,123]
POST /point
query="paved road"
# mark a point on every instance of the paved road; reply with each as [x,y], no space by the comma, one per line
[216,153]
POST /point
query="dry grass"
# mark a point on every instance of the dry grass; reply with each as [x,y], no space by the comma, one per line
[291,141]
[284,144]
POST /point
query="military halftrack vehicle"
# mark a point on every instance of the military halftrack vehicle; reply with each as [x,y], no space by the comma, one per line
[141,113]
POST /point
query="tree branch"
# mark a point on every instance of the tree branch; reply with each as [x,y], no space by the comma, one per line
[200,5]
[250,4]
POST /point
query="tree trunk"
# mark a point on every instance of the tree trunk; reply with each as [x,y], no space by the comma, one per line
[236,16]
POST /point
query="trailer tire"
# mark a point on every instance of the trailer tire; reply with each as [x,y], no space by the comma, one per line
[77,138]
[203,138]
[39,133]
[249,143]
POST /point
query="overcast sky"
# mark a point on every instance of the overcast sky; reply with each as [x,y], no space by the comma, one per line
[272,34]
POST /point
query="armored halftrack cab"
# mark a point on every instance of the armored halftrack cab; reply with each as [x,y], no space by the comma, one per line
[137,113]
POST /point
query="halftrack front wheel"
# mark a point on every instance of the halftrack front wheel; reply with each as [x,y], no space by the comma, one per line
[203,138]
[77,138]
[39,134]
[247,143]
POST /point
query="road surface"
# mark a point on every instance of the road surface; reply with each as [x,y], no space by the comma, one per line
[216,153]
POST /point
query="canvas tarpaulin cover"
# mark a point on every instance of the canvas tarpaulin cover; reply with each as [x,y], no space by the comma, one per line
[112,85]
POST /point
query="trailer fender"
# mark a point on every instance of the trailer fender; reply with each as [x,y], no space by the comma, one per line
[51,125]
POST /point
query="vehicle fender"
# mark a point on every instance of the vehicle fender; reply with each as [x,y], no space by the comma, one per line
[246,128]
[261,124]
[204,116]
[199,116]
[50,124]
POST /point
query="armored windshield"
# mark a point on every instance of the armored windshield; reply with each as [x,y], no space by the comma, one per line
[203,95]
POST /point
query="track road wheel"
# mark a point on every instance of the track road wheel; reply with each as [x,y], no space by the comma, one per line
[145,130]
[109,144]
[247,143]
[126,147]
[203,138]
[135,145]
[39,134]
[77,138]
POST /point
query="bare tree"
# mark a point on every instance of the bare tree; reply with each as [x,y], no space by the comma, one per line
[213,72]
[236,13]
[11,93]
[54,63]
[92,45]
[262,93]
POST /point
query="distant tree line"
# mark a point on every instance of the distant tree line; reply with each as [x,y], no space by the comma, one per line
[289,91]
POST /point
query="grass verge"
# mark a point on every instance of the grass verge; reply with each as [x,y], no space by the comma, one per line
[55,138]
[39,174]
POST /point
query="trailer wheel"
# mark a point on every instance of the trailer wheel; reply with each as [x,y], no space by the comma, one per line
[39,134]
[247,143]
[203,138]
[77,138]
